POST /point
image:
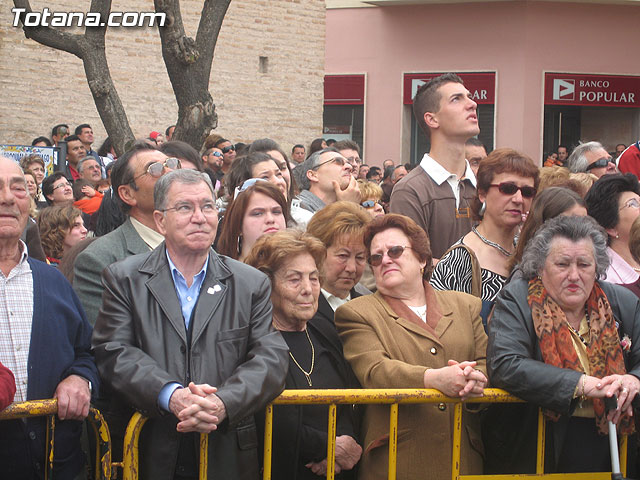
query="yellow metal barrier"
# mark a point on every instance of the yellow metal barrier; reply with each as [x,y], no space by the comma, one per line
[395,397]
[39,408]
[392,397]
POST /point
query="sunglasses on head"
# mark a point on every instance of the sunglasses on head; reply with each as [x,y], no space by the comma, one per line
[228,149]
[600,163]
[393,253]
[509,188]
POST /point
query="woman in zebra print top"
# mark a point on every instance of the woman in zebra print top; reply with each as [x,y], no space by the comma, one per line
[506,184]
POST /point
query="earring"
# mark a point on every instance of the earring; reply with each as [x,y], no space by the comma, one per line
[239,246]
[483,208]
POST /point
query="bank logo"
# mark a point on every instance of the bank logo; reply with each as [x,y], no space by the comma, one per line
[564,89]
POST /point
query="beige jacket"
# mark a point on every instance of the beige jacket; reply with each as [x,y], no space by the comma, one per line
[388,351]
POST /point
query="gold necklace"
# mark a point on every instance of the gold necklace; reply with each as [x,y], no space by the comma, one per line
[313,360]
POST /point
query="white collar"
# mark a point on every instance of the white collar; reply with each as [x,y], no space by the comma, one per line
[439,174]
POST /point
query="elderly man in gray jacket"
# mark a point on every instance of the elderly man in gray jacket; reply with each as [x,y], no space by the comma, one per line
[184,335]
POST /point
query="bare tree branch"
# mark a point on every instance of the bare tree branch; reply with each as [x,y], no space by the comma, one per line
[49,36]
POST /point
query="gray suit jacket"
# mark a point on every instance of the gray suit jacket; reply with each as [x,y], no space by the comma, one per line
[123,242]
[140,343]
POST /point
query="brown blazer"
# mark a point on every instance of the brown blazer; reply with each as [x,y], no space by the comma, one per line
[388,351]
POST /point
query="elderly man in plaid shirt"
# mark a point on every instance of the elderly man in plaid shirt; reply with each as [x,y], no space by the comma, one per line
[44,340]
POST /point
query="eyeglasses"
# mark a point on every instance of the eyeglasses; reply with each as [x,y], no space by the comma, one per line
[354,160]
[156,168]
[228,149]
[217,154]
[62,185]
[393,253]
[338,160]
[247,183]
[631,203]
[600,163]
[188,209]
[369,203]
[509,188]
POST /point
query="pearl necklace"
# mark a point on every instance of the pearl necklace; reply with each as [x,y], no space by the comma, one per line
[495,245]
[313,360]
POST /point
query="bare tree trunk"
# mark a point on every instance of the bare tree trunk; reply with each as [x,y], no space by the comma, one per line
[90,48]
[188,64]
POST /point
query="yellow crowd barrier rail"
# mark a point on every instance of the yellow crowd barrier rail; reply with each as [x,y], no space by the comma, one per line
[49,408]
[392,397]
[396,397]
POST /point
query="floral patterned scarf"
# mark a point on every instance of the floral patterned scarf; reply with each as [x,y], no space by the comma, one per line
[555,340]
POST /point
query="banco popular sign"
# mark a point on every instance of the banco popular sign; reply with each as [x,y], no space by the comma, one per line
[592,90]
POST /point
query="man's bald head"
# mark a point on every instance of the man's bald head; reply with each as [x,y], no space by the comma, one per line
[14,201]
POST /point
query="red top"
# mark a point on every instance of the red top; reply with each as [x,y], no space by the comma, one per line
[629,161]
[7,387]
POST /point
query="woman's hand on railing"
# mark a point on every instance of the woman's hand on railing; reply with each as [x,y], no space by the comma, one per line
[348,452]
[624,387]
[456,380]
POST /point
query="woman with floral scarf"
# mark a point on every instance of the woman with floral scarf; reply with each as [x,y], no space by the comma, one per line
[562,339]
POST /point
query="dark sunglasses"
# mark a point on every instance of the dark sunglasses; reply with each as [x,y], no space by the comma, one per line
[394,252]
[600,163]
[369,203]
[228,149]
[508,188]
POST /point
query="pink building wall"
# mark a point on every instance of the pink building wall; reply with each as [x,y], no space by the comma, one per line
[519,40]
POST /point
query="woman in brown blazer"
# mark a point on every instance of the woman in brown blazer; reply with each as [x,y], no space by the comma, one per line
[408,335]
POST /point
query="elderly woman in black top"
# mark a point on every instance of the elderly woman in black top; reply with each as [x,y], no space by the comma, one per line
[561,339]
[292,259]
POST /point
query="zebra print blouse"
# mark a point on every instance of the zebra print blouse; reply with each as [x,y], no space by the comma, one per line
[453,272]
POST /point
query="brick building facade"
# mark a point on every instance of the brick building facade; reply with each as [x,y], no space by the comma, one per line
[280,98]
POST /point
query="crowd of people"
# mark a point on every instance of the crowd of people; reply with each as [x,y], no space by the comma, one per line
[194,286]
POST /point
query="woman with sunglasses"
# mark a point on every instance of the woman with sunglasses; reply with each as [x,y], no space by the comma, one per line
[258,208]
[614,201]
[506,184]
[408,335]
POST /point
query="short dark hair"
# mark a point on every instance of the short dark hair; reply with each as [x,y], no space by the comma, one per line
[562,146]
[47,185]
[78,185]
[427,98]
[79,128]
[182,150]
[121,173]
[72,138]
[41,139]
[602,198]
[373,171]
[346,145]
[502,160]
[222,140]
[298,145]
[418,238]
[54,130]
